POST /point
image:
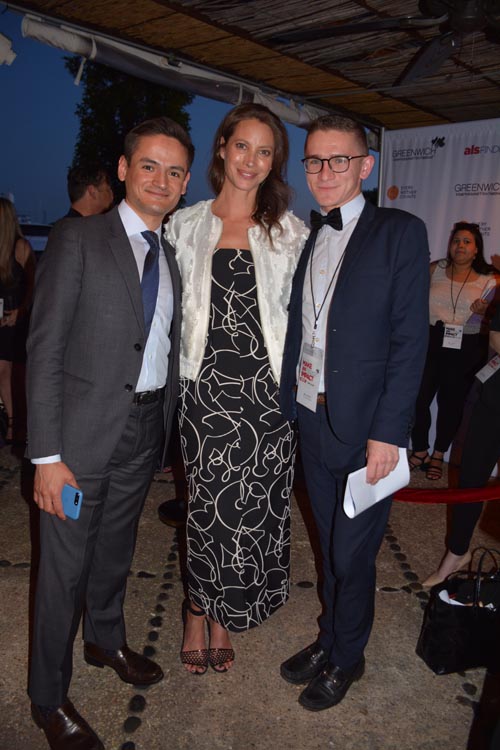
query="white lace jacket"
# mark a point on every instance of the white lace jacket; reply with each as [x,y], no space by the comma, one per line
[195,232]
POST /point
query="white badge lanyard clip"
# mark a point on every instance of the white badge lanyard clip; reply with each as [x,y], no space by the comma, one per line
[453,333]
[311,358]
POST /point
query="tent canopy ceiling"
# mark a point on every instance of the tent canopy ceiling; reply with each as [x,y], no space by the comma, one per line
[351,72]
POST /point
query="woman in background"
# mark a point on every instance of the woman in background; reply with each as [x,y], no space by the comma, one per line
[237,256]
[462,287]
[17,268]
[480,453]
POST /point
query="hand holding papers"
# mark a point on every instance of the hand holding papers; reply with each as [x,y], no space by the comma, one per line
[359,495]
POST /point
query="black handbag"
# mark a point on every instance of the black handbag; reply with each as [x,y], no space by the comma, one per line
[454,637]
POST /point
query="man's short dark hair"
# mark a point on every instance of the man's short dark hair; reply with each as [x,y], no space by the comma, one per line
[83,175]
[339,122]
[158,126]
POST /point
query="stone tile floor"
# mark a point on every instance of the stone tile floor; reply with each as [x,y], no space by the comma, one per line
[399,704]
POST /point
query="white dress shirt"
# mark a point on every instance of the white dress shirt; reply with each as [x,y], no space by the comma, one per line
[326,259]
[154,367]
[155,361]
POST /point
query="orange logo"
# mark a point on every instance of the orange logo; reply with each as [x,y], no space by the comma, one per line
[393,192]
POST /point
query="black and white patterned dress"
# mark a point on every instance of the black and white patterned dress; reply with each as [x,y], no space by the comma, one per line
[238,453]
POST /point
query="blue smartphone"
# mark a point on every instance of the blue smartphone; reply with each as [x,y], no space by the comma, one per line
[72,499]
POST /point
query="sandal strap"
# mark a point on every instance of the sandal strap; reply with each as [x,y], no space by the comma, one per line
[435,472]
[217,656]
[198,658]
[195,612]
[418,461]
[413,454]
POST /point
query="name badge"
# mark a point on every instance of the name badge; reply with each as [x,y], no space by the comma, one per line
[310,369]
[489,369]
[452,338]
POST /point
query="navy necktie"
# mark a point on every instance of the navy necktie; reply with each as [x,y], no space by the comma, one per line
[333,218]
[150,278]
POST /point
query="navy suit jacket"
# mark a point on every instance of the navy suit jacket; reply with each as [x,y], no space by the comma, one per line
[377,329]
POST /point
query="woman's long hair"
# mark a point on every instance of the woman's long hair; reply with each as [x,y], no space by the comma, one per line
[274,193]
[9,234]
[479,264]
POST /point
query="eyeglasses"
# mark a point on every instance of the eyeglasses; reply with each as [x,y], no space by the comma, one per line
[314,165]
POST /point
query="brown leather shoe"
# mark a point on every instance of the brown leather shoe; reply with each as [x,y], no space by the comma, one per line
[129,665]
[65,729]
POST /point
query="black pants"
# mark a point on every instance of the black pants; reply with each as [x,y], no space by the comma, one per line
[480,454]
[349,547]
[85,563]
[448,374]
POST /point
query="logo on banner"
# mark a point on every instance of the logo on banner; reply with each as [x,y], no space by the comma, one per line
[477,188]
[438,142]
[486,149]
[402,192]
[419,152]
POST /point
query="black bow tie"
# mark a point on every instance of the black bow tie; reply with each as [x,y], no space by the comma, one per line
[333,218]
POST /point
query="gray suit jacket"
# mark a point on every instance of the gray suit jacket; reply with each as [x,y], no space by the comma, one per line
[86,342]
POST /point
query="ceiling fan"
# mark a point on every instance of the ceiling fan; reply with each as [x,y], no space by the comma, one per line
[453,18]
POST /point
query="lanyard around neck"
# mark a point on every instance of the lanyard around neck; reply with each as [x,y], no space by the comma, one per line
[337,267]
[454,303]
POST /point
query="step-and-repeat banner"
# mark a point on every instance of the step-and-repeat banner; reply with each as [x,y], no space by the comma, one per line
[444,174]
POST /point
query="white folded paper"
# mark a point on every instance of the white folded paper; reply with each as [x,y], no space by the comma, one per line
[445,597]
[360,496]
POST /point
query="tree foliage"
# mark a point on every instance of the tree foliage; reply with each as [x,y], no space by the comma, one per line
[112,104]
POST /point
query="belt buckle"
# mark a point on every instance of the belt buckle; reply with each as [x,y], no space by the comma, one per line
[146,397]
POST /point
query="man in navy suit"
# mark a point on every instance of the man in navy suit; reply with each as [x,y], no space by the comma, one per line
[354,353]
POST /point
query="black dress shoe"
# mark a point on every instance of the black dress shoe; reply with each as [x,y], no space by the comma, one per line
[129,666]
[173,512]
[305,665]
[65,729]
[330,686]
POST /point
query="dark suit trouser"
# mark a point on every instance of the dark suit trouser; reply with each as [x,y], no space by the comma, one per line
[85,563]
[349,547]
[480,453]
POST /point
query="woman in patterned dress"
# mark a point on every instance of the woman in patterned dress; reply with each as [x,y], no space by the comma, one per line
[237,255]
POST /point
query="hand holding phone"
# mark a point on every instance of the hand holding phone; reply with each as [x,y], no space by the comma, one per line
[71,501]
[47,487]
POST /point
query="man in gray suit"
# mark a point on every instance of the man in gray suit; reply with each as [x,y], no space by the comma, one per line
[102,388]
